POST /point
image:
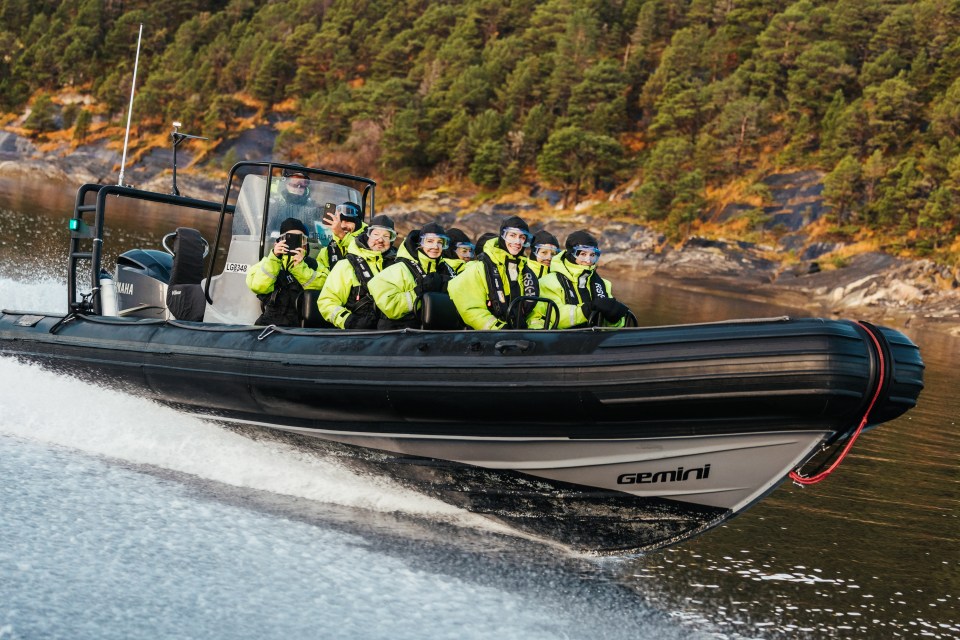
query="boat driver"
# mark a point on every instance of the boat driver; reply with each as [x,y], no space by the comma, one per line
[485,288]
[582,296]
[281,277]
[292,199]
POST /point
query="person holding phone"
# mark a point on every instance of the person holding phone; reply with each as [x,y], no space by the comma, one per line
[346,223]
[280,278]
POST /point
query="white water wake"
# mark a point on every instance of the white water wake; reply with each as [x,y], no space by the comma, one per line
[56,409]
[60,410]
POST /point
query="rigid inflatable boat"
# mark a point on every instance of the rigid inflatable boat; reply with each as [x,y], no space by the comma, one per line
[606,440]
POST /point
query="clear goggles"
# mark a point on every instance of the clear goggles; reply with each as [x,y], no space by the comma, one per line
[381,233]
[586,253]
[464,250]
[545,250]
[513,234]
[434,240]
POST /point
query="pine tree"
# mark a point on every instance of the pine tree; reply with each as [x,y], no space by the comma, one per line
[843,188]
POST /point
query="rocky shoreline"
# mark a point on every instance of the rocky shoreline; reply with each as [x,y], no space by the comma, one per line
[871,286]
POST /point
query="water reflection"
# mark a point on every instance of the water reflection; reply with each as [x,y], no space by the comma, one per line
[33,227]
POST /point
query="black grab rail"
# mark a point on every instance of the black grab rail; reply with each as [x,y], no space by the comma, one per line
[80,230]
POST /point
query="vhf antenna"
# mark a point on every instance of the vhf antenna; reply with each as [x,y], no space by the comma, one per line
[177,139]
[133,86]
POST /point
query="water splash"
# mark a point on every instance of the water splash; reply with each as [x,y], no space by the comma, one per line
[52,408]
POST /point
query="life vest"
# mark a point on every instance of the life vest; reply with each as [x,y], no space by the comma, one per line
[590,286]
[359,300]
[282,305]
[497,301]
[334,252]
[445,271]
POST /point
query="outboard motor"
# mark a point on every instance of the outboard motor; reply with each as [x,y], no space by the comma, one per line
[141,283]
[160,285]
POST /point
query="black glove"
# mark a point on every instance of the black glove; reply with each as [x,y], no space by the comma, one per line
[611,308]
[432,282]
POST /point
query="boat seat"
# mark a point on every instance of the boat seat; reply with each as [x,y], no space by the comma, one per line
[310,312]
[439,313]
[184,294]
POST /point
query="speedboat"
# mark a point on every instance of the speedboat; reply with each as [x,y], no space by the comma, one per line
[604,440]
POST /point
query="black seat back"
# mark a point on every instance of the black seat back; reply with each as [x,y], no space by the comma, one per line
[309,312]
[188,250]
[439,312]
[185,298]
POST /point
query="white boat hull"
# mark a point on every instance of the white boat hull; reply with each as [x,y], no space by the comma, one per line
[729,471]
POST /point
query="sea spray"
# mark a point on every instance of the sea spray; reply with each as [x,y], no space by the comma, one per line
[60,410]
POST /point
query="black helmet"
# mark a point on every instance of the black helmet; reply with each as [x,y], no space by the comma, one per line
[295,170]
[382,220]
[514,222]
[432,228]
[580,238]
[293,224]
[482,240]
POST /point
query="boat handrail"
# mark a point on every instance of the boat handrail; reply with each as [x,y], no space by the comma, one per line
[80,230]
[516,305]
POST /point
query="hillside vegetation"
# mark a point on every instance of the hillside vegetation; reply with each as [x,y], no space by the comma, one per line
[679,106]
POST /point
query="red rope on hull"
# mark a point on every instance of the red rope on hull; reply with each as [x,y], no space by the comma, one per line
[803,480]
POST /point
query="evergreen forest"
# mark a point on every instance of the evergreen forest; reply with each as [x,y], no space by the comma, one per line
[676,103]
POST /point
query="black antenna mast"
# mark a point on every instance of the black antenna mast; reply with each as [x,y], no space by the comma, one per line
[177,139]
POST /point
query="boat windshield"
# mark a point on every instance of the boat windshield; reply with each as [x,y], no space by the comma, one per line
[276,200]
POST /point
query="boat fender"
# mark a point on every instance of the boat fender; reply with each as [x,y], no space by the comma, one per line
[108,296]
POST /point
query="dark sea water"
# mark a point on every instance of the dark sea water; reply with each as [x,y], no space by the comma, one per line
[123,519]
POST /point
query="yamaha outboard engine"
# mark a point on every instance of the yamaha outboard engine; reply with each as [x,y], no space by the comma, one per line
[155,284]
[141,283]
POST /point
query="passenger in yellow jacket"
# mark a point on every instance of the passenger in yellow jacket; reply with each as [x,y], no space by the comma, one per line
[347,224]
[345,301]
[419,268]
[460,251]
[280,278]
[582,297]
[485,288]
[542,250]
